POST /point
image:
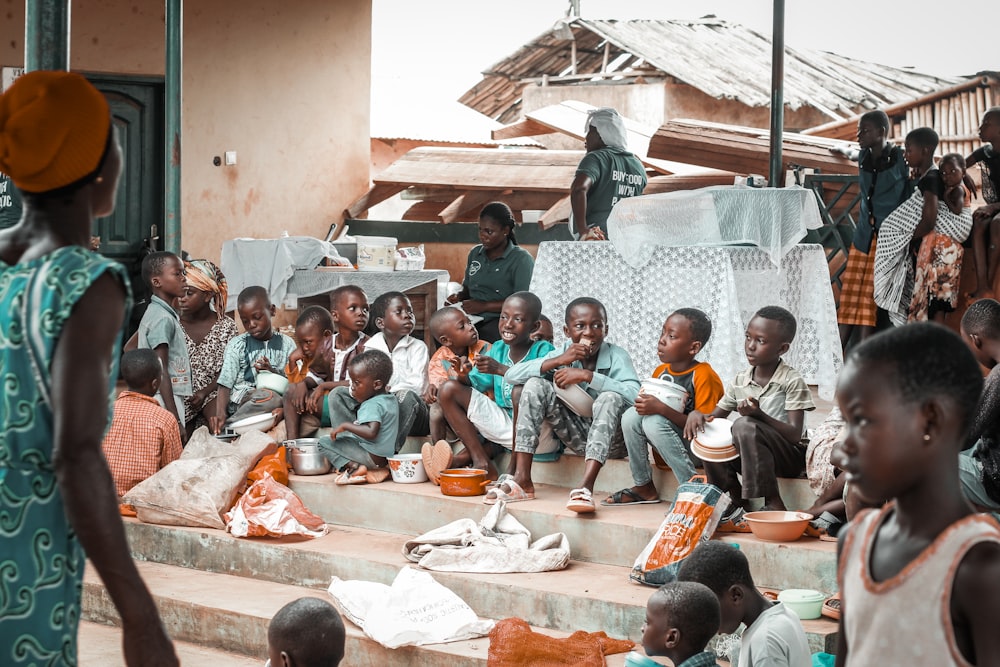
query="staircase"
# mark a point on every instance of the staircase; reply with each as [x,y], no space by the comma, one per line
[217,593]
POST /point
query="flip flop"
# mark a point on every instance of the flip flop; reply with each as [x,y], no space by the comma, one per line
[831,607]
[825,527]
[734,523]
[377,475]
[515,495]
[618,498]
[357,475]
[436,457]
[581,501]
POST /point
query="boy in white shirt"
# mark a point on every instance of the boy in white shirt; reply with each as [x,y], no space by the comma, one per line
[395,320]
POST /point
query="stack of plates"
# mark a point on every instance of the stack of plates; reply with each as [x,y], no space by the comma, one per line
[716,442]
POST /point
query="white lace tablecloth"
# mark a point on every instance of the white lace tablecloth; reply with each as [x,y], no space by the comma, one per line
[728,283]
[774,219]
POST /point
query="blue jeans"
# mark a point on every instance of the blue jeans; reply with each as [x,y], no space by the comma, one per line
[665,437]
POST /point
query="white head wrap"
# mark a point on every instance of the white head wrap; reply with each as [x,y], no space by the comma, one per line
[610,126]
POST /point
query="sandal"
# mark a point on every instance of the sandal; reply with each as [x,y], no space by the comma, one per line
[825,527]
[356,474]
[515,495]
[831,607]
[734,523]
[581,501]
[436,457]
[618,498]
[500,481]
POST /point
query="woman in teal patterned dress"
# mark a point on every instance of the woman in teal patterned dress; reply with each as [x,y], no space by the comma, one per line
[61,312]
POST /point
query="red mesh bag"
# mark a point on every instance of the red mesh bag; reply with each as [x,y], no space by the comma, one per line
[513,644]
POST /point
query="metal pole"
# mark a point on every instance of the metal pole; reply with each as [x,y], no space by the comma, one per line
[172,131]
[776,177]
[46,35]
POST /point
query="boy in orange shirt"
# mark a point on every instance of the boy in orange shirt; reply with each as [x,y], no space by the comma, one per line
[652,422]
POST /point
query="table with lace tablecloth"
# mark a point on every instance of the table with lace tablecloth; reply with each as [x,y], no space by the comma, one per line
[774,219]
[729,283]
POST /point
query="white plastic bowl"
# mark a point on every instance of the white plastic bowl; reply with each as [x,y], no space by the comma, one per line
[666,391]
[407,468]
[716,442]
[261,422]
[276,383]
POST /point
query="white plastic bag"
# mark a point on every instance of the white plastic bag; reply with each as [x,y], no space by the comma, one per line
[198,487]
[414,611]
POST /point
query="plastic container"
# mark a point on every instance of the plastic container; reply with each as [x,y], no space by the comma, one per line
[667,392]
[806,603]
[376,253]
[715,443]
[407,469]
[268,380]
[636,659]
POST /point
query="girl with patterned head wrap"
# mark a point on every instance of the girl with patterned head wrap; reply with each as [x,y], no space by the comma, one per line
[607,173]
[63,309]
[207,329]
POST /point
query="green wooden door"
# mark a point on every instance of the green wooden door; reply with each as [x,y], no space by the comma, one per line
[137,111]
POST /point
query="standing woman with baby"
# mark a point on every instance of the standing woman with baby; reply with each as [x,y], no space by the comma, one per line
[63,308]
[496,268]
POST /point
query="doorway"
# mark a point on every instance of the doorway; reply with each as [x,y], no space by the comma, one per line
[135,228]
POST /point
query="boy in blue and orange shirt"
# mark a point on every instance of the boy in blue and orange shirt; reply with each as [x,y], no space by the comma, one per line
[652,422]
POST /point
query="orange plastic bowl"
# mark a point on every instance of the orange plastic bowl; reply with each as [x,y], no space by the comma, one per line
[778,526]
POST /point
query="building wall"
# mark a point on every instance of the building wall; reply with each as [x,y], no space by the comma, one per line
[285,86]
[683,101]
[653,104]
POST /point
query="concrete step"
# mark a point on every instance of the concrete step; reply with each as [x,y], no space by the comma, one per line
[611,536]
[586,596]
[568,471]
[102,645]
[231,614]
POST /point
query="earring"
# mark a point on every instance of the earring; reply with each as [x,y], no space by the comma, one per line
[927,437]
[100,179]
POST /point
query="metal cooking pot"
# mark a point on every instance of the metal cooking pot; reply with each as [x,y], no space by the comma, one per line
[305,458]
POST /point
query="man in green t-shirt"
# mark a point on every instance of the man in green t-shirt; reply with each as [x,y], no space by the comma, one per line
[10,203]
[607,173]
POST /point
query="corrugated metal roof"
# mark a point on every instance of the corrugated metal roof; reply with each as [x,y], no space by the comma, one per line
[722,59]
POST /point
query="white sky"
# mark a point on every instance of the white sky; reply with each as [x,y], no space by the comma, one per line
[454,40]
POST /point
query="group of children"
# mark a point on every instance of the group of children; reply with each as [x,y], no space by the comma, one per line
[914,225]
[373,391]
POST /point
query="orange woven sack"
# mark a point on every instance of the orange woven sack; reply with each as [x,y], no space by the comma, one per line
[275,465]
[513,644]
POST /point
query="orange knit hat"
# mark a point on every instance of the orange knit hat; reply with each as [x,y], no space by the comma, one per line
[54,129]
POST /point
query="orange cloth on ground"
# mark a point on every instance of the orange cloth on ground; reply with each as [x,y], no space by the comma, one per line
[513,643]
[53,130]
[142,439]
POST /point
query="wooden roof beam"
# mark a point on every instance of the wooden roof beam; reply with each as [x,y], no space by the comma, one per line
[378,193]
[557,213]
[469,200]
[524,128]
